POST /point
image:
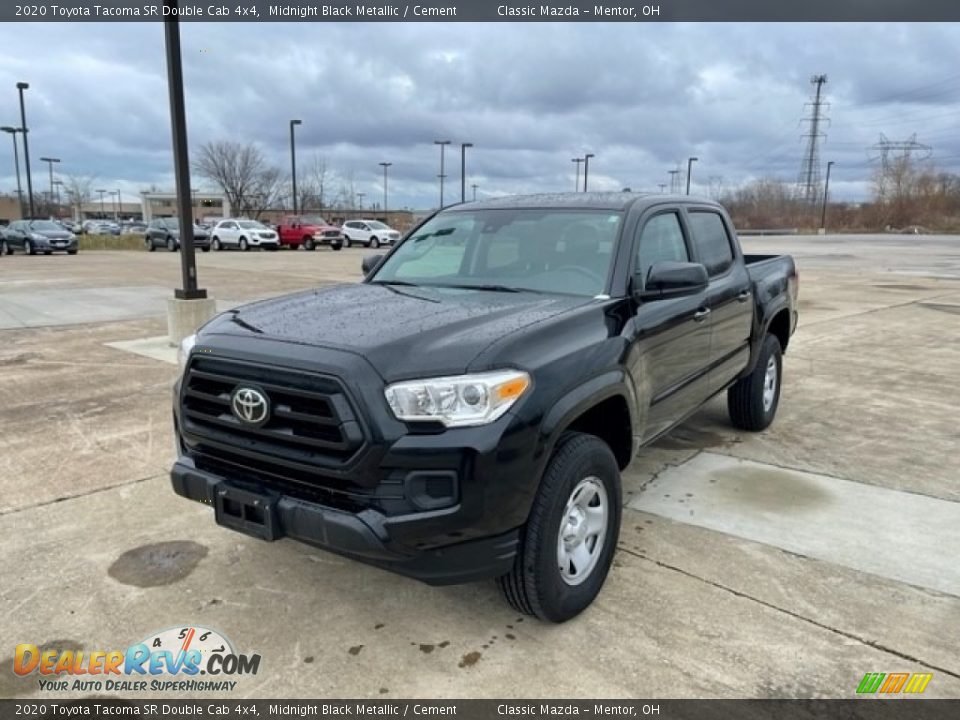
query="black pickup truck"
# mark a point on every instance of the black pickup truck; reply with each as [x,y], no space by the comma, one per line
[465,411]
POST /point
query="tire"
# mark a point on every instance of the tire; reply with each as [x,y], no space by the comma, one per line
[243,245]
[753,400]
[308,244]
[537,585]
[149,243]
[171,245]
[4,248]
[346,241]
[28,248]
[71,252]
[216,244]
[374,243]
[336,246]
[205,248]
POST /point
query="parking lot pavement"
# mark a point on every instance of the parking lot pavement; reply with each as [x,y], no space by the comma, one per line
[702,606]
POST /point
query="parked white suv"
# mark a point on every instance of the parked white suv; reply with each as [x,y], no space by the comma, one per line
[243,234]
[371,233]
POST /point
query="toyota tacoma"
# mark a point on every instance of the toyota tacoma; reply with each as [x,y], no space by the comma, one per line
[476,425]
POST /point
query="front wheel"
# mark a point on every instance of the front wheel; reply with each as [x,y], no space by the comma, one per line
[171,244]
[570,537]
[336,246]
[243,245]
[374,242]
[753,400]
[346,241]
[308,244]
[216,244]
[149,244]
[28,248]
[4,248]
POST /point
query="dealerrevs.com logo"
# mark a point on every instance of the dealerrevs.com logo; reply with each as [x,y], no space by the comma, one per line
[179,659]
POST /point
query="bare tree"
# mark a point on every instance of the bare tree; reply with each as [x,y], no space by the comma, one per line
[241,172]
[313,187]
[79,191]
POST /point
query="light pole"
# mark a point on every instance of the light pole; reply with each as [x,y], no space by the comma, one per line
[474,186]
[576,184]
[385,165]
[674,182]
[101,202]
[16,161]
[181,157]
[586,169]
[293,163]
[360,197]
[50,161]
[690,162]
[826,190]
[463,170]
[442,144]
[58,184]
[21,86]
[663,188]
[116,202]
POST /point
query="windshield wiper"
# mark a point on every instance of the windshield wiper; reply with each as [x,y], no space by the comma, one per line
[490,288]
[394,282]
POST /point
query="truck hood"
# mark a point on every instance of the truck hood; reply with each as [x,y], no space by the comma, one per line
[403,332]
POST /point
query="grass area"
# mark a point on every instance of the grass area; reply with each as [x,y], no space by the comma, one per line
[111,242]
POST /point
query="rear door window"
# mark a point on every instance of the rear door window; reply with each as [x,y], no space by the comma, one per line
[711,240]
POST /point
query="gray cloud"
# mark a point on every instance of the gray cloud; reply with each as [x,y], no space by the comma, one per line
[530,96]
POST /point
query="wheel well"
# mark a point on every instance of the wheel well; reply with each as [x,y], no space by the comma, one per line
[780,328]
[609,420]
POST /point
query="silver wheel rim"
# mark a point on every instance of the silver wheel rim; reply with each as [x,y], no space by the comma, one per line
[770,384]
[583,528]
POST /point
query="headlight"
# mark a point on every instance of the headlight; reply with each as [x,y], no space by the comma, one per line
[458,401]
[183,354]
[35,236]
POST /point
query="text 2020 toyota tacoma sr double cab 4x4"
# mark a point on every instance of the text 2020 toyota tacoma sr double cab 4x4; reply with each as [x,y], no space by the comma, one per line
[476,424]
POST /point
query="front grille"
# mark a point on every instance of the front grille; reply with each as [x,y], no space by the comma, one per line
[331,233]
[311,424]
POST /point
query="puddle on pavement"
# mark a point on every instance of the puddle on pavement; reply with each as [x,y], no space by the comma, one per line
[770,488]
[895,286]
[12,686]
[685,438]
[470,659]
[157,564]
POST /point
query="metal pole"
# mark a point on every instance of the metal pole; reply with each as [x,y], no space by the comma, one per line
[586,168]
[181,158]
[826,189]
[442,144]
[576,184]
[474,186]
[360,197]
[690,162]
[293,163]
[463,170]
[50,161]
[385,165]
[101,201]
[21,86]
[16,163]
[116,213]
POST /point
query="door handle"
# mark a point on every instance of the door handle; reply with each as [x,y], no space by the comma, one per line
[701,314]
[743,296]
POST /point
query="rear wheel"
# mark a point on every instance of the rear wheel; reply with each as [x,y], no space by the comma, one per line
[4,248]
[308,244]
[243,244]
[570,537]
[753,400]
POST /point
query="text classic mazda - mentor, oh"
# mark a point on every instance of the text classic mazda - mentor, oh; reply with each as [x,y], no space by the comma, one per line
[477,424]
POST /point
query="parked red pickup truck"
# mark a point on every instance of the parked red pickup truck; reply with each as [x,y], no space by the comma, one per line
[309,231]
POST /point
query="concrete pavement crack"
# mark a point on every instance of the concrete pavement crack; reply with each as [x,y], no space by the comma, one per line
[64,498]
[797,616]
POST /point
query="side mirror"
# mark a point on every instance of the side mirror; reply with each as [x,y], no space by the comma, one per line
[669,279]
[370,263]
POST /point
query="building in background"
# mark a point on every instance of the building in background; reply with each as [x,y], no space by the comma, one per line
[206,206]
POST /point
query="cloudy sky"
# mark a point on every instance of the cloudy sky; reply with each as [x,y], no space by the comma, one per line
[642,98]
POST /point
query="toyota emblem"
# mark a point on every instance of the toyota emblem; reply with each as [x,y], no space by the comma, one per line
[249,405]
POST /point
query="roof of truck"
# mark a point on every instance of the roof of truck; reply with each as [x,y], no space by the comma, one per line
[574,200]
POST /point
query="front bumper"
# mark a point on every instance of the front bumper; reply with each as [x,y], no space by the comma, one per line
[364,536]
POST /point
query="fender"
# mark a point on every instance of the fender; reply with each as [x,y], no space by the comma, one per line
[577,401]
[768,316]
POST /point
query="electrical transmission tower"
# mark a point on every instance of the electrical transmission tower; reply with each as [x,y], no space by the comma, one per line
[808,184]
[891,152]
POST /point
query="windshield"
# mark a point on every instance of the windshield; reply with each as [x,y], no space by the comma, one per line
[45,225]
[251,225]
[377,225]
[313,220]
[542,250]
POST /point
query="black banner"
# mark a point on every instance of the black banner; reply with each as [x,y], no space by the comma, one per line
[483,11]
[862,709]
